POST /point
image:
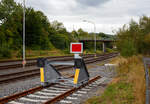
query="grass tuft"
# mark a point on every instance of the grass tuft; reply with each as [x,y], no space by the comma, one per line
[129,85]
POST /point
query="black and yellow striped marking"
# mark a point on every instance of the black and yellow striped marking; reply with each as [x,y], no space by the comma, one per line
[42,74]
[76,76]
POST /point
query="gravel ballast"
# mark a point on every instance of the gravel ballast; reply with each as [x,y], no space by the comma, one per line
[94,70]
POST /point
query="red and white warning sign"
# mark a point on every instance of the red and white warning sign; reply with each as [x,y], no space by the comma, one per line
[76,48]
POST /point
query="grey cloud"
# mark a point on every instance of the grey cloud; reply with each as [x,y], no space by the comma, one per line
[99,11]
[92,2]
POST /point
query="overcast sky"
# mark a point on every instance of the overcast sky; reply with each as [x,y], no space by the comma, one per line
[108,15]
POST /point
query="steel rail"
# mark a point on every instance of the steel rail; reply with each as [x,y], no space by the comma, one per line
[36,72]
[51,57]
[65,58]
[18,95]
[33,90]
[71,91]
[24,93]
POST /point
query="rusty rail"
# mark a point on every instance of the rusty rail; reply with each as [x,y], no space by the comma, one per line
[56,58]
[35,72]
[24,93]
[62,96]
[18,95]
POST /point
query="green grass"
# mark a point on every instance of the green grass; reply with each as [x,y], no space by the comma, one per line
[118,93]
[129,85]
[34,54]
[14,55]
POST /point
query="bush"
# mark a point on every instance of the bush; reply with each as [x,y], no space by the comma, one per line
[127,48]
[134,38]
[66,51]
[99,52]
[60,41]
[109,50]
[5,51]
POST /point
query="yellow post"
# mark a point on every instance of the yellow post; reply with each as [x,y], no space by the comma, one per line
[76,76]
[42,74]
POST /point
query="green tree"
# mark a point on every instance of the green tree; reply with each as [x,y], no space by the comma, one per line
[37,27]
[60,41]
[7,7]
[135,38]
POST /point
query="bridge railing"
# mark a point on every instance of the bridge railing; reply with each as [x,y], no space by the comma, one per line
[98,38]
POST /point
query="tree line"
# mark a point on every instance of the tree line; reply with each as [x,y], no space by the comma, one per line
[134,38]
[41,34]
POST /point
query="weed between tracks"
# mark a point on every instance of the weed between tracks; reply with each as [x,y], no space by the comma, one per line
[35,54]
[129,85]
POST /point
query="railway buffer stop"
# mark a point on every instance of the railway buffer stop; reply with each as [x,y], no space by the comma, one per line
[50,75]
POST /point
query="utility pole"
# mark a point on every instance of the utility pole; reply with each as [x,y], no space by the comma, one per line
[24,59]
[94,34]
[95,37]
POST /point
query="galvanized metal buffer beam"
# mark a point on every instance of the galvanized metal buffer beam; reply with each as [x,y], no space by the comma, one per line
[50,75]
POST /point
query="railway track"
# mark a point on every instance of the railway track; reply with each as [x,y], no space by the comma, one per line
[10,64]
[35,72]
[16,76]
[58,93]
[32,62]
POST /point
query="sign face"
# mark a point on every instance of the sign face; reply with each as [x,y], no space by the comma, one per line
[76,47]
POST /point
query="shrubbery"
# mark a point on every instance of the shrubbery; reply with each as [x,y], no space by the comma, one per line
[5,51]
[40,33]
[135,38]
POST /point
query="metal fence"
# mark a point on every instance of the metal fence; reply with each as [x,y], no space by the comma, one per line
[146,66]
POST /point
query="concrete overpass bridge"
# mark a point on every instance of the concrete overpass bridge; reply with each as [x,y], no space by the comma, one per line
[102,40]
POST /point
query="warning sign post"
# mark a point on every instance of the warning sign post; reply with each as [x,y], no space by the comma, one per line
[76,48]
[50,75]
